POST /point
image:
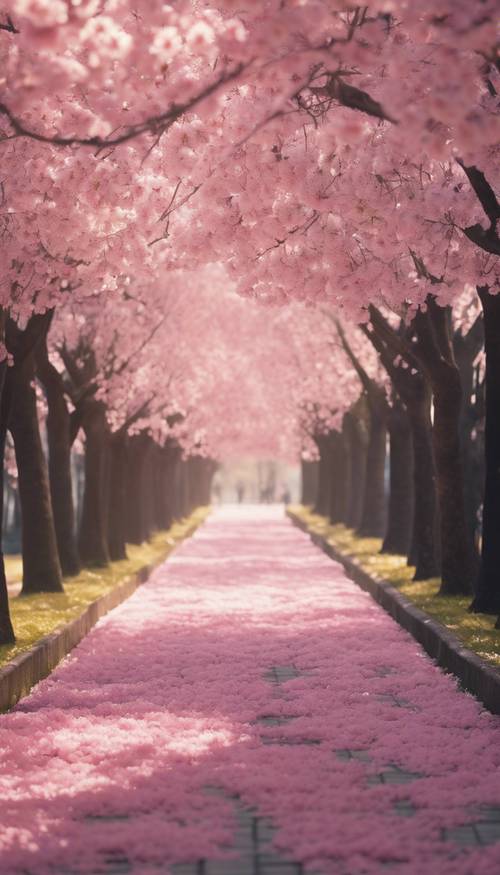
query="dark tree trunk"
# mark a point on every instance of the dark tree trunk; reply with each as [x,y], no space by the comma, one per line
[466,347]
[201,471]
[400,511]
[160,488]
[176,485]
[138,486]
[358,442]
[41,567]
[183,486]
[309,472]
[487,596]
[7,635]
[172,453]
[373,519]
[423,553]
[93,537]
[413,388]
[117,497]
[193,483]
[435,351]
[148,490]
[455,556]
[340,477]
[59,441]
[324,475]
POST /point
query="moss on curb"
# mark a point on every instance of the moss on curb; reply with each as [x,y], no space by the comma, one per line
[475,630]
[36,616]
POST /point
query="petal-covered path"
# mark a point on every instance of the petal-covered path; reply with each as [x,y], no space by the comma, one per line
[249,711]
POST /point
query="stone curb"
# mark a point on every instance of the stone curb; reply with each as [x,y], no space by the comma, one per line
[474,674]
[24,671]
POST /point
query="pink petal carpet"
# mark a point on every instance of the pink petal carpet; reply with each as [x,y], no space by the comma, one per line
[249,674]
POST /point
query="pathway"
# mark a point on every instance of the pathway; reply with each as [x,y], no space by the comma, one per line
[249,711]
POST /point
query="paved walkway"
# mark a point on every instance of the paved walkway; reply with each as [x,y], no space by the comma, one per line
[250,711]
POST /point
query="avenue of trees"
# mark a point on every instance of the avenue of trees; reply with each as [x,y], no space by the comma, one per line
[336,166]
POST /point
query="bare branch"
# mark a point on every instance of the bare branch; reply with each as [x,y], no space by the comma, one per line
[486,238]
[155,125]
[304,228]
[9,26]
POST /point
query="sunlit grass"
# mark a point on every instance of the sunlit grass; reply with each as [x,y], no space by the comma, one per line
[475,630]
[35,616]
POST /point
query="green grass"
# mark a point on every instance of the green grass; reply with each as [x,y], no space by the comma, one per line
[475,630]
[36,616]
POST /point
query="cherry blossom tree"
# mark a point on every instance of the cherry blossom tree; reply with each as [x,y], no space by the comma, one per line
[318,152]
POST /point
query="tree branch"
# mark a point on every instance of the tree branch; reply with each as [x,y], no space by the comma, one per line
[486,238]
[9,26]
[155,125]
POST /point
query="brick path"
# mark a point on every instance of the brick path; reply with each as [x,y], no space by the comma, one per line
[249,712]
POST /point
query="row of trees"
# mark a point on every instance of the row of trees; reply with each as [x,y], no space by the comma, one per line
[319,152]
[429,403]
[150,396]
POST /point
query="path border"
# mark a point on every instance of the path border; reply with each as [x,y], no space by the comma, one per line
[475,675]
[19,675]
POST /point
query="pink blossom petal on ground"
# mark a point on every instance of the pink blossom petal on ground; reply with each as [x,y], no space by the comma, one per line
[249,673]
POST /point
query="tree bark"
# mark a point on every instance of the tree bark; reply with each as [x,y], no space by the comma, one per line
[172,454]
[117,496]
[400,511]
[466,348]
[413,388]
[373,520]
[93,536]
[435,351]
[138,485]
[324,475]
[340,477]
[309,472]
[487,595]
[7,635]
[59,441]
[41,566]
[358,442]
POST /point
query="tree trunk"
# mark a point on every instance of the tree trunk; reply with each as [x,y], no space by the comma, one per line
[172,454]
[455,556]
[487,596]
[340,477]
[358,442]
[400,511]
[139,489]
[309,471]
[423,552]
[59,441]
[373,519]
[160,497]
[192,483]
[7,635]
[93,537]
[466,348]
[183,488]
[324,475]
[434,348]
[117,497]
[41,567]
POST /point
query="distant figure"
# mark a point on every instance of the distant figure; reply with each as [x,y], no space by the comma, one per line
[240,491]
